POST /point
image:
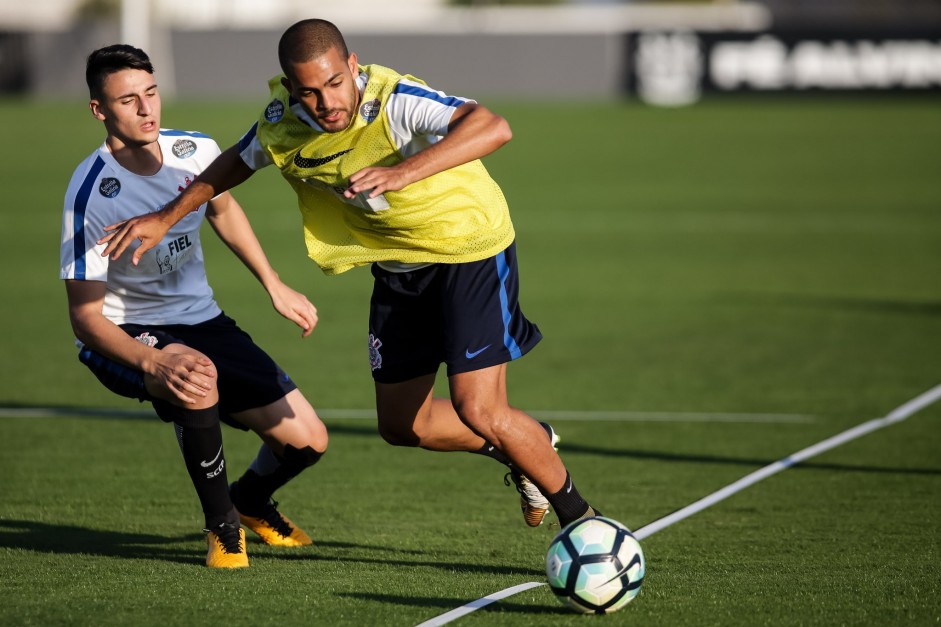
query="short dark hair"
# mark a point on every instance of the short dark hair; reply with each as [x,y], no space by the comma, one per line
[308,39]
[111,59]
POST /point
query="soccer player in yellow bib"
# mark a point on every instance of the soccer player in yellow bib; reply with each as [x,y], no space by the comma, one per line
[387,172]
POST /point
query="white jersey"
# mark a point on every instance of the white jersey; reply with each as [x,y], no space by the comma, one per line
[169,285]
[418,117]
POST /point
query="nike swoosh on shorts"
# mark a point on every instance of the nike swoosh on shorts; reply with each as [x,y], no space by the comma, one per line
[471,355]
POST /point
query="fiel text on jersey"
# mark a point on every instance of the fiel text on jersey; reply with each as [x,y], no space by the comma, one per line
[178,245]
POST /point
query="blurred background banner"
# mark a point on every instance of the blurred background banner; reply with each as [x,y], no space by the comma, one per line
[665,53]
[675,68]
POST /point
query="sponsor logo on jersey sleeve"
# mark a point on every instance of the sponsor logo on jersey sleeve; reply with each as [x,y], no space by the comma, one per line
[274,111]
[184,148]
[110,187]
[370,110]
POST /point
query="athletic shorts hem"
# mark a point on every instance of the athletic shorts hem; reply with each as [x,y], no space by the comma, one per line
[400,375]
[481,365]
[248,377]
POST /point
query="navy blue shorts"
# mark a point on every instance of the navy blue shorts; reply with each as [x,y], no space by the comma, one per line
[248,377]
[466,315]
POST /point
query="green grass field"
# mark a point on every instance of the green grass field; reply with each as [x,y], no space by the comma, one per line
[761,256]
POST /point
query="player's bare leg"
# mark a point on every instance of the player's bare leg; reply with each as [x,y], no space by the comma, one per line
[410,416]
[480,398]
[289,420]
[294,439]
[477,412]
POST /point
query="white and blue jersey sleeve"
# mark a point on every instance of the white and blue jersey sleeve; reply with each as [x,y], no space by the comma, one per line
[251,150]
[419,116]
[80,256]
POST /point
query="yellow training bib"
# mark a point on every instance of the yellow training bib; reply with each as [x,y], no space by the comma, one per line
[455,216]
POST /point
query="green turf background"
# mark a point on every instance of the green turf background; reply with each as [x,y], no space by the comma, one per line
[744,255]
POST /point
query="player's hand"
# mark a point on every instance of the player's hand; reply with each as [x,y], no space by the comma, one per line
[294,306]
[149,228]
[376,181]
[186,375]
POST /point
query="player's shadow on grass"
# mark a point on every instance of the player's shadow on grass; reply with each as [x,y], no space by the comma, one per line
[62,539]
[43,537]
[464,568]
[499,607]
[144,413]
[571,448]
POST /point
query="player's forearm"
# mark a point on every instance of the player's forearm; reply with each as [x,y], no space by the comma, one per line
[104,337]
[479,132]
[231,224]
[225,172]
[471,136]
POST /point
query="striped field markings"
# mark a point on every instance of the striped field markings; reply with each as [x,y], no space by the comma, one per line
[897,415]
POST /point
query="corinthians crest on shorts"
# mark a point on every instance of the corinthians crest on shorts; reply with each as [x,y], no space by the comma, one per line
[375,359]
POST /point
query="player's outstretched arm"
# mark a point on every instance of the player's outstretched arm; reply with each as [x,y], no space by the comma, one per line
[184,375]
[474,132]
[229,221]
[224,173]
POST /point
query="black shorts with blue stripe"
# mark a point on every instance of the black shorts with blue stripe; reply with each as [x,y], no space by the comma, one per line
[466,315]
[248,376]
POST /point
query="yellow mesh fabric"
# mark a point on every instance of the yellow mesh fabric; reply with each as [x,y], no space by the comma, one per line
[455,216]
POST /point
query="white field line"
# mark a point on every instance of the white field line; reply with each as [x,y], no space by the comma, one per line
[650,416]
[479,603]
[65,412]
[897,415]
[370,414]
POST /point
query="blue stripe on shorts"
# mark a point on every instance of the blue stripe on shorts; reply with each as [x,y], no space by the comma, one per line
[503,271]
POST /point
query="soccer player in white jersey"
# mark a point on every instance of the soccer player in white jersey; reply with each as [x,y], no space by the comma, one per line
[153,331]
[387,172]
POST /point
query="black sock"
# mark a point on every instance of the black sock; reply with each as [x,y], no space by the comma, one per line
[203,455]
[547,428]
[267,473]
[568,503]
[491,451]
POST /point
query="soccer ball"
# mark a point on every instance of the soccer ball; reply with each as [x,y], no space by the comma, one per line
[595,565]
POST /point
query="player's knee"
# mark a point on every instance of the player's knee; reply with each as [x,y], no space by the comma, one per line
[297,459]
[314,430]
[398,435]
[161,391]
[482,418]
[399,428]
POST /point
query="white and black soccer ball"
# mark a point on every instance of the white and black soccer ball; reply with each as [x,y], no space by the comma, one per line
[595,565]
